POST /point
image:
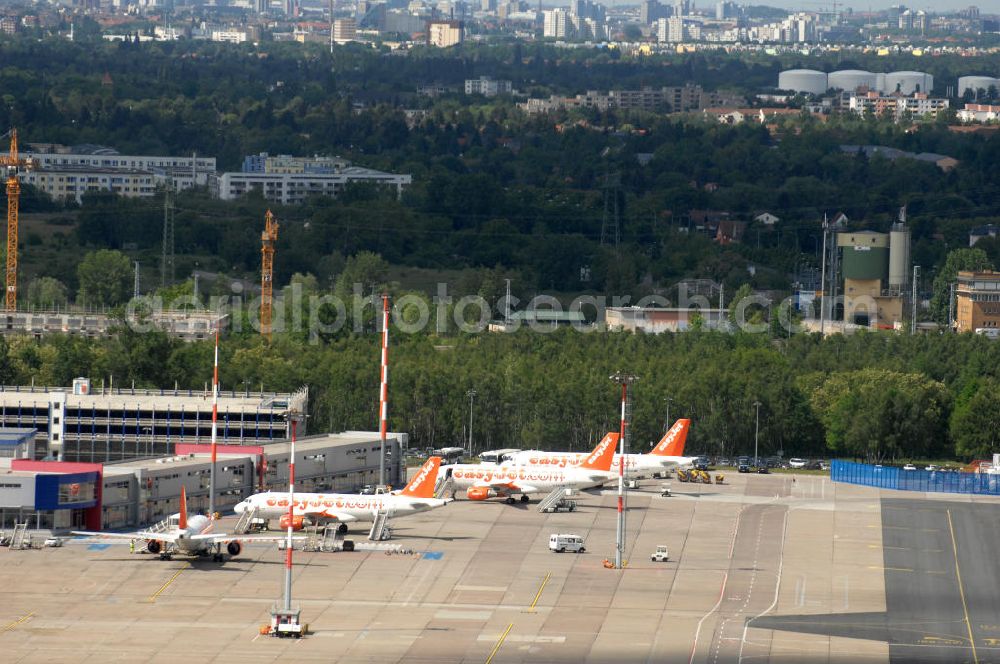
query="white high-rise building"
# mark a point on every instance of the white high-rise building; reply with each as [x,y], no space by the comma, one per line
[556,23]
[345,30]
[675,29]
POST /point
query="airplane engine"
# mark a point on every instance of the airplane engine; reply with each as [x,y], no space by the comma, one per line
[154,546]
[234,548]
[298,522]
[480,493]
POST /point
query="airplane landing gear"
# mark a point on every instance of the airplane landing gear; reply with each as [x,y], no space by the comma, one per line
[217,557]
[524,499]
[510,500]
[342,528]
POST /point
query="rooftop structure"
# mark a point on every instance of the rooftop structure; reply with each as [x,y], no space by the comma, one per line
[655,320]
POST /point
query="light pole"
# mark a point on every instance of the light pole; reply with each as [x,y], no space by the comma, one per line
[472,395]
[756,431]
[624,379]
[667,426]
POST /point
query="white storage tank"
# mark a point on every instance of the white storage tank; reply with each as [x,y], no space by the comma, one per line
[803,80]
[899,256]
[880,82]
[975,83]
[850,80]
[908,82]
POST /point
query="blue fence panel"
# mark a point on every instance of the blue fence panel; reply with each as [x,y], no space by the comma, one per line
[936,481]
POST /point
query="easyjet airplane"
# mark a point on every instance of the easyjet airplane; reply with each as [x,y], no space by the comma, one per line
[343,508]
[192,535]
[667,454]
[487,480]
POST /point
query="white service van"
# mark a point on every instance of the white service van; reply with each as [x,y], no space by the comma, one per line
[562,542]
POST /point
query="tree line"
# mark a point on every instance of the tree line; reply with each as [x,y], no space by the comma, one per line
[868,396]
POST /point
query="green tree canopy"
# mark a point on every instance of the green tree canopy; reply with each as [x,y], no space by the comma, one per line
[877,414]
[105,278]
[975,422]
[47,293]
[957,260]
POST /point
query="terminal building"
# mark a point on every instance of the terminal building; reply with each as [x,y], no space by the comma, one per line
[104,425]
[63,495]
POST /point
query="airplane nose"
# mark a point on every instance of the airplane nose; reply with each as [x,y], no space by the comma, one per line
[240,507]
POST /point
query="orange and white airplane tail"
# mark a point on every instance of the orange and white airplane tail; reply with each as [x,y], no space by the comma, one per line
[603,454]
[672,443]
[422,484]
[182,522]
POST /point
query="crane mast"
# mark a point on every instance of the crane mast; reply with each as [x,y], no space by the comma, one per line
[268,239]
[11,163]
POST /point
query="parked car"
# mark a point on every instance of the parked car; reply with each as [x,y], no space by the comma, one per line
[702,463]
[763,469]
[909,466]
[795,462]
[744,467]
[932,467]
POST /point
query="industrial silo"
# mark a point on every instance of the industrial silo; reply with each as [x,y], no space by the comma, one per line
[908,82]
[803,80]
[865,255]
[976,83]
[850,80]
[899,257]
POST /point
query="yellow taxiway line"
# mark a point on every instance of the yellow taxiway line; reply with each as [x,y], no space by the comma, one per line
[961,590]
[545,581]
[496,648]
[17,622]
[152,598]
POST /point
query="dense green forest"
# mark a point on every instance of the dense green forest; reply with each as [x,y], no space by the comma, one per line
[492,186]
[874,396]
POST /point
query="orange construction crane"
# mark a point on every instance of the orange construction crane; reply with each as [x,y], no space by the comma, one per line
[267,240]
[11,163]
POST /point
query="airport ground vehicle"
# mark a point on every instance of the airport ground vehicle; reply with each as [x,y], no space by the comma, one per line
[562,542]
[562,506]
[665,490]
[743,467]
[661,554]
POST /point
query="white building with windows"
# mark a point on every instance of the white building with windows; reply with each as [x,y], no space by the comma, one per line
[294,188]
[555,23]
[486,86]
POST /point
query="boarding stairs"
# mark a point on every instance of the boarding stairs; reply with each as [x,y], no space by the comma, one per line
[242,526]
[319,538]
[445,488]
[551,500]
[380,527]
[160,526]
[19,539]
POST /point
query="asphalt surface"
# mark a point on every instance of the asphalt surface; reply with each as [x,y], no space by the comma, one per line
[942,586]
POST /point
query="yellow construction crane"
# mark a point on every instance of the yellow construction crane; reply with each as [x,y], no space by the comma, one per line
[267,240]
[12,163]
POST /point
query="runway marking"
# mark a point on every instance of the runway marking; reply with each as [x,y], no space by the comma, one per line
[777,587]
[483,589]
[152,598]
[496,648]
[891,569]
[17,622]
[961,590]
[545,581]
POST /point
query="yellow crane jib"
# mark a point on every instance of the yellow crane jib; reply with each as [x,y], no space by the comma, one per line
[268,238]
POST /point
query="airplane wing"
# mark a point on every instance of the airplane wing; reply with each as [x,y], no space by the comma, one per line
[505,487]
[233,537]
[342,517]
[160,537]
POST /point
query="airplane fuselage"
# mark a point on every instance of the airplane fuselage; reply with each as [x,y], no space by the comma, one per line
[538,477]
[634,463]
[362,508]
